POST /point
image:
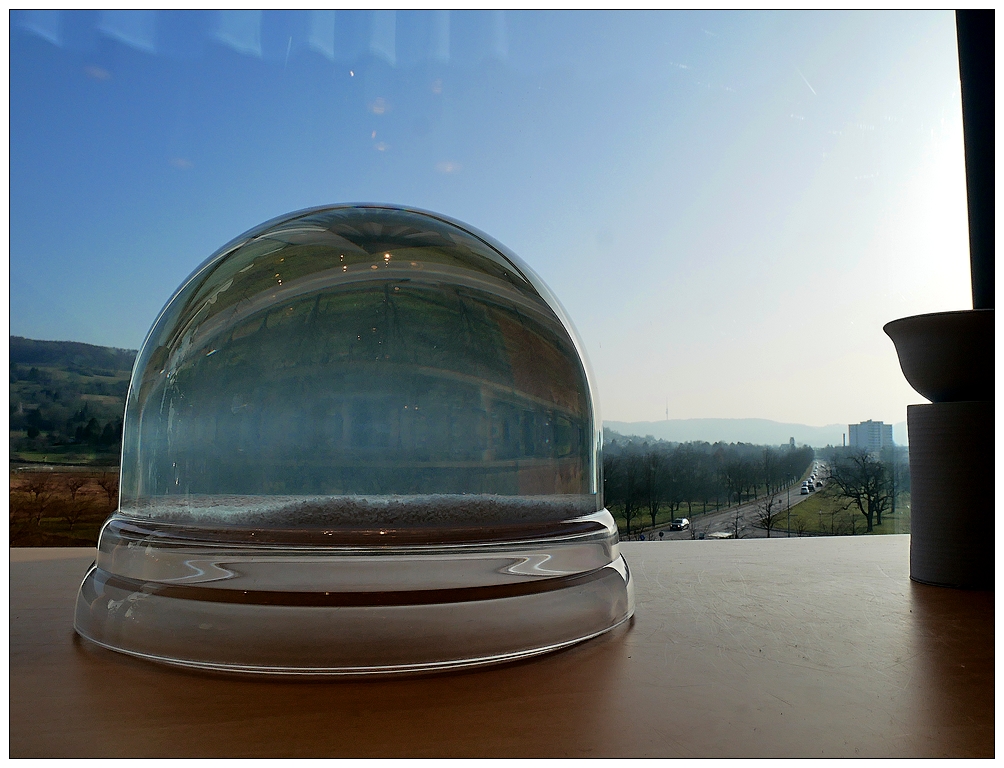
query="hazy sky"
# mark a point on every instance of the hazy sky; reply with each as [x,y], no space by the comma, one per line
[729,205]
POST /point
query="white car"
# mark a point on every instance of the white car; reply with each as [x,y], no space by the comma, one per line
[680,524]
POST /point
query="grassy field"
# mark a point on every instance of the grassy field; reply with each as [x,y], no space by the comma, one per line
[826,513]
[67,455]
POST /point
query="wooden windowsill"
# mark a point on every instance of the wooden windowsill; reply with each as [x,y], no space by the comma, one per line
[753,648]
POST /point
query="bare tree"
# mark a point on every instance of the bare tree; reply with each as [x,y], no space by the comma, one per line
[704,483]
[733,475]
[738,523]
[799,525]
[38,486]
[751,478]
[843,520]
[73,511]
[898,473]
[852,521]
[769,467]
[862,479]
[686,468]
[768,513]
[109,482]
[73,482]
[655,471]
[623,482]
[21,516]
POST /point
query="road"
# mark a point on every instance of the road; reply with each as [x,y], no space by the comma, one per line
[724,521]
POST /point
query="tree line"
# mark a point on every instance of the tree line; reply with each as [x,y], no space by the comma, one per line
[53,423]
[645,477]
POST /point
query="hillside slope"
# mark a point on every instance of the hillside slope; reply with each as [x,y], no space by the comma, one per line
[67,401]
[69,355]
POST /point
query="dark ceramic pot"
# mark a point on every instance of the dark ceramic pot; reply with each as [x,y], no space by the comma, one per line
[947,356]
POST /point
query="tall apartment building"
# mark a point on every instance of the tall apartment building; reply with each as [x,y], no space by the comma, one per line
[870,435]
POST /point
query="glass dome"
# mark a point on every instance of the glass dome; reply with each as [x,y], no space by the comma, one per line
[358,439]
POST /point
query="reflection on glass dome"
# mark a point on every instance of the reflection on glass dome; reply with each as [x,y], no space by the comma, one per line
[344,409]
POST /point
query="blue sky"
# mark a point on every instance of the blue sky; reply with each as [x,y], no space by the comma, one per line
[729,205]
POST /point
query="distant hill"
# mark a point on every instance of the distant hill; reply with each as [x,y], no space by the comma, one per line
[757,431]
[69,355]
[67,401]
[68,397]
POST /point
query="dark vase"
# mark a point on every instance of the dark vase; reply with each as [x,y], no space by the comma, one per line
[948,357]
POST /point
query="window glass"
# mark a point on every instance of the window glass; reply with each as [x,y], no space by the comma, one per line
[728,205]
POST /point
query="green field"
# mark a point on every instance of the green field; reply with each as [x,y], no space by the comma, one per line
[826,513]
[64,455]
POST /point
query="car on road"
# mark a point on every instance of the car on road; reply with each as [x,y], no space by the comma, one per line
[804,491]
[819,484]
[680,524]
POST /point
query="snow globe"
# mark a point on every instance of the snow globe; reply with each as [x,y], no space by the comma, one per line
[359,439]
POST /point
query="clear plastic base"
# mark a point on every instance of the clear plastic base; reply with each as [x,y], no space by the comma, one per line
[349,611]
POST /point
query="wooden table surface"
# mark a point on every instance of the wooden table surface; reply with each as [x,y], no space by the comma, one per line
[753,648]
